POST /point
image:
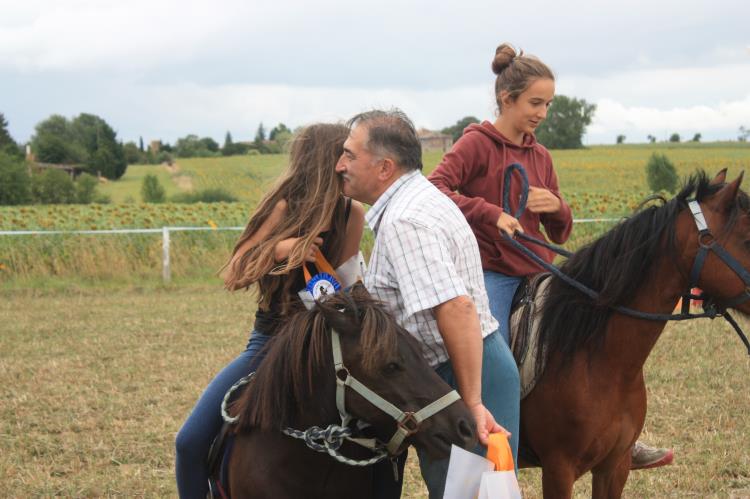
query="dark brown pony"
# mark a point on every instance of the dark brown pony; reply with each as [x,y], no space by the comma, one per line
[589,406]
[295,387]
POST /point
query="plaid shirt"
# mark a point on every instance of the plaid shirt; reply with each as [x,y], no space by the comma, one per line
[425,254]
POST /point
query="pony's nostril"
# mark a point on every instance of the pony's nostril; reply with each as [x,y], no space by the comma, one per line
[465,429]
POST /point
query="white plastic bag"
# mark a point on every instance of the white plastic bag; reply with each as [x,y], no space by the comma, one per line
[471,476]
[465,470]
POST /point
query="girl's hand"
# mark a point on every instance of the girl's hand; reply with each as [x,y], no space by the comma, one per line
[509,225]
[284,248]
[542,201]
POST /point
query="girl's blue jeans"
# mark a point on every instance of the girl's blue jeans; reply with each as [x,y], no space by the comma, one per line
[195,437]
[500,290]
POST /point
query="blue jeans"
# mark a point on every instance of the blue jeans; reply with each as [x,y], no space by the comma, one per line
[500,290]
[501,394]
[195,437]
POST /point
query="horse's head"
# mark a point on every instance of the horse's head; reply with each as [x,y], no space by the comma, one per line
[722,244]
[388,360]
[295,385]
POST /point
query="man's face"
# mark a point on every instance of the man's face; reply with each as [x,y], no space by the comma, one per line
[359,168]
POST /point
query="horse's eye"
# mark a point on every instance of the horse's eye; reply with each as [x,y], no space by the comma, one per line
[391,368]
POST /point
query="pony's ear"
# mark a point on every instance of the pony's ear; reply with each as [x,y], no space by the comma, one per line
[358,290]
[720,177]
[339,316]
[726,196]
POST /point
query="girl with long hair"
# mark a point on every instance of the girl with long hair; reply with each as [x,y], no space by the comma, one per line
[304,213]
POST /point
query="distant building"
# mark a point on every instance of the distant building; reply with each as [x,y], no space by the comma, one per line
[434,141]
[36,167]
[72,170]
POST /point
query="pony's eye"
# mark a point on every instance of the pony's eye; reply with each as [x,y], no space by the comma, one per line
[391,368]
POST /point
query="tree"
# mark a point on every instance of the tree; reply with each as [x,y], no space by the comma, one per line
[140,144]
[278,129]
[53,186]
[696,138]
[744,134]
[661,174]
[675,137]
[85,188]
[193,147]
[133,155]
[15,182]
[86,140]
[457,130]
[6,141]
[621,139]
[651,139]
[260,135]
[151,190]
[566,123]
[54,142]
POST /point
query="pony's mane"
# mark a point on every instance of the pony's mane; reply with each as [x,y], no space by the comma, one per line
[299,360]
[613,265]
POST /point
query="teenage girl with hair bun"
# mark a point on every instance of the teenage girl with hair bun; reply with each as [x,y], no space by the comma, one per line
[475,167]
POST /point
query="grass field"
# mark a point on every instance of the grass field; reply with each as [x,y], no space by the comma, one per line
[602,181]
[96,384]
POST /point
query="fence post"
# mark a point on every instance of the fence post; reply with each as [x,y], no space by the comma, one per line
[165,271]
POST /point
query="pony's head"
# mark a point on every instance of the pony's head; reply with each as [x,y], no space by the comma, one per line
[725,272]
[628,257]
[295,385]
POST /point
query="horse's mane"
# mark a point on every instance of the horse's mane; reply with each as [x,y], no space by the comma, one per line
[613,265]
[299,359]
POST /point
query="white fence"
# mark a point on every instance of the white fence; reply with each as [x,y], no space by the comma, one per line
[166,269]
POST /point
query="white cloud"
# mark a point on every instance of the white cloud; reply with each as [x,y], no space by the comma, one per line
[713,122]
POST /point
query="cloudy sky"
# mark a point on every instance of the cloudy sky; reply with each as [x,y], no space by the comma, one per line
[162,69]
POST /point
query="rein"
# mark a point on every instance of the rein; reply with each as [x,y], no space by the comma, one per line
[331,438]
[707,242]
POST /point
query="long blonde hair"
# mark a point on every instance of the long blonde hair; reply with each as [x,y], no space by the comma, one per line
[312,191]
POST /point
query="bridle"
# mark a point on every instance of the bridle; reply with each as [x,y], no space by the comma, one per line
[407,423]
[329,439]
[706,242]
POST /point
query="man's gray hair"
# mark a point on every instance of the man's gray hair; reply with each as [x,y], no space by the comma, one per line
[391,134]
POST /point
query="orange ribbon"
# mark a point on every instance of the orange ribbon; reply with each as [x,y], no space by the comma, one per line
[498,451]
[322,265]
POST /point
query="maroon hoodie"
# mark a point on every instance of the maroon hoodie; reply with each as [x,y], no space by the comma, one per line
[475,167]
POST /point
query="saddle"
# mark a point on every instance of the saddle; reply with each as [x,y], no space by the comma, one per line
[524,329]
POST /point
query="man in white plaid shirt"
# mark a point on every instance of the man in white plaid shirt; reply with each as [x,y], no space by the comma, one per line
[425,266]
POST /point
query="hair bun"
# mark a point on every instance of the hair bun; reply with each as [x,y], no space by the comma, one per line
[504,55]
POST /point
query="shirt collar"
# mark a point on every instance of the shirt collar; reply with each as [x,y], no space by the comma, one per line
[376,211]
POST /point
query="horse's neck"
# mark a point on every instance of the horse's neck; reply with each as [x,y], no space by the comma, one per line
[630,341]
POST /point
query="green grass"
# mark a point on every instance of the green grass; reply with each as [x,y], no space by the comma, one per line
[96,383]
[128,188]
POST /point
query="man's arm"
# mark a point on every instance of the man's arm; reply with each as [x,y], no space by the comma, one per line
[459,326]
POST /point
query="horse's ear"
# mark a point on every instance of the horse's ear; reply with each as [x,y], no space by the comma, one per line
[726,196]
[720,177]
[338,315]
[358,290]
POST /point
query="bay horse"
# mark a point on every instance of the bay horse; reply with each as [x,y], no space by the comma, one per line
[589,405]
[298,386]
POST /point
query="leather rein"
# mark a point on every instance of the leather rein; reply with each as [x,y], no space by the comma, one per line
[706,242]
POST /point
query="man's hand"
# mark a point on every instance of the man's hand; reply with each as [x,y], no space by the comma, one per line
[486,424]
[542,201]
